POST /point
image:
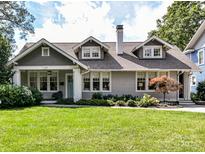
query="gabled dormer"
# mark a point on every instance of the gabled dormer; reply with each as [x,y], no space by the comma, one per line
[90,48]
[153,48]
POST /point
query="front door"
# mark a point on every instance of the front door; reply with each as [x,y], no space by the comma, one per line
[181,81]
[69,86]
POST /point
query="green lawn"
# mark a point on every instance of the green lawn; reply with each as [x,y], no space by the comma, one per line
[100,129]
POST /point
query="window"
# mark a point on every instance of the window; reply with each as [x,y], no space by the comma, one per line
[193,80]
[45,51]
[151,75]
[33,79]
[152,52]
[91,52]
[53,81]
[106,81]
[86,81]
[201,57]
[141,80]
[97,81]
[43,81]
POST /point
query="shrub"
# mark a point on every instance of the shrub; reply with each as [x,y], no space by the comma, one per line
[131,103]
[201,90]
[37,95]
[195,97]
[65,101]
[147,100]
[97,102]
[16,96]
[58,95]
[97,96]
[121,103]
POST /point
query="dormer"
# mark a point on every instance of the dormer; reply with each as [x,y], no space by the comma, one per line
[153,48]
[90,49]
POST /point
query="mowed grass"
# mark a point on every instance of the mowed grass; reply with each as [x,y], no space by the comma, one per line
[100,129]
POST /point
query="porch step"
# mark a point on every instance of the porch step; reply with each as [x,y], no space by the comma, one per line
[48,102]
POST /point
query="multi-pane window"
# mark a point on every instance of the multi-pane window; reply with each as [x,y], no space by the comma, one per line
[91,52]
[106,81]
[43,81]
[141,80]
[151,75]
[33,79]
[53,81]
[45,51]
[201,56]
[86,81]
[96,81]
[152,52]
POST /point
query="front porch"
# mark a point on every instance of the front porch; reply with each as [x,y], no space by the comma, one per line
[51,79]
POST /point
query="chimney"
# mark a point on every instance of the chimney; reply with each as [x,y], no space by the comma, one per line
[119,43]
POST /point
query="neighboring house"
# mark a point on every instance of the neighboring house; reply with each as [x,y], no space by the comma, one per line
[195,50]
[83,68]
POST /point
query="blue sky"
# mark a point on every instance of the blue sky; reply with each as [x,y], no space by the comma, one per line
[61,21]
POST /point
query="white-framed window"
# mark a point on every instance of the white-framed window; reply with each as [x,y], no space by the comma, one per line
[143,79]
[152,52]
[45,51]
[43,80]
[201,57]
[193,80]
[97,81]
[91,52]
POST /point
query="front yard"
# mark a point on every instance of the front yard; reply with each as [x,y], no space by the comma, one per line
[100,129]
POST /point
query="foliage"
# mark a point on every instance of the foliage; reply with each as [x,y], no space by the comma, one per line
[116,97]
[16,96]
[131,103]
[96,102]
[147,100]
[201,90]
[5,52]
[37,95]
[65,101]
[180,23]
[15,16]
[97,96]
[121,103]
[165,85]
[58,95]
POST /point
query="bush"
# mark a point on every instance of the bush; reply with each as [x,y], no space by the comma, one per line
[121,103]
[65,101]
[97,96]
[201,91]
[58,95]
[96,102]
[131,103]
[16,96]
[37,95]
[147,100]
[195,97]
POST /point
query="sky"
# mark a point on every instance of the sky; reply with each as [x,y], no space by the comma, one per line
[74,21]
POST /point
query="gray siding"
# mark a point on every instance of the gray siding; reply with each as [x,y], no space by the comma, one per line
[125,83]
[36,59]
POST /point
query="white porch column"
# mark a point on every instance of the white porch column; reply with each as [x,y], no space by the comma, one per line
[17,77]
[77,84]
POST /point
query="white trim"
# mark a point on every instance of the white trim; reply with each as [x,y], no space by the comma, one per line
[48,81]
[134,70]
[42,51]
[153,38]
[90,39]
[46,67]
[147,80]
[152,47]
[91,52]
[199,51]
[37,44]
[66,84]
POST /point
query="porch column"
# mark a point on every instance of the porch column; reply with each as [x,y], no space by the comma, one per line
[77,84]
[17,77]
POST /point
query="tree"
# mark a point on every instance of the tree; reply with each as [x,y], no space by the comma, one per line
[14,16]
[5,53]
[180,23]
[165,85]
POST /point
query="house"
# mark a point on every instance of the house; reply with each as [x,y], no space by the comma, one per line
[195,51]
[79,69]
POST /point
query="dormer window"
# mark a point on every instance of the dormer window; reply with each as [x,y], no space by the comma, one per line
[90,52]
[152,52]
[45,51]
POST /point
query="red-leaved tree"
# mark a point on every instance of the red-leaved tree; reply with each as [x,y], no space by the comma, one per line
[165,85]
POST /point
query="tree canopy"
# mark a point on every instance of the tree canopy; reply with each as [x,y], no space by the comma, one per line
[15,16]
[180,23]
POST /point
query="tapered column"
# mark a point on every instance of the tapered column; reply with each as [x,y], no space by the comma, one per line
[17,77]
[77,84]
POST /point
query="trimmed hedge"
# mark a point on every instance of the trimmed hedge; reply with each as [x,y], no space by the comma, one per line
[95,102]
[18,96]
